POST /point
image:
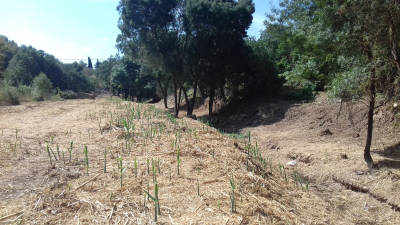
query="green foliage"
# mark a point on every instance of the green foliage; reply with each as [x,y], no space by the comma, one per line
[42,87]
[349,84]
[8,95]
[103,72]
[126,79]
[7,50]
[68,94]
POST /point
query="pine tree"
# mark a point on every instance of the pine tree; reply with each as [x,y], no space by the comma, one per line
[90,63]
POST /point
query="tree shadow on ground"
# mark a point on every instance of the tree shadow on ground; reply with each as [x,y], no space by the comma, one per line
[199,102]
[392,152]
[388,163]
[392,157]
[235,117]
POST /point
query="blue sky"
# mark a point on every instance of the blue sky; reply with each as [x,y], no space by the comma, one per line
[75,29]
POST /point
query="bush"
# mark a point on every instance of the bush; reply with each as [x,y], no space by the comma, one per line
[42,87]
[8,95]
[24,93]
[305,93]
[67,94]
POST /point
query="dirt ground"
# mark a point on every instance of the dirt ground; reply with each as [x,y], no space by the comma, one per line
[328,149]
[316,190]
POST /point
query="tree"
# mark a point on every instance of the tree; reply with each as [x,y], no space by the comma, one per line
[7,50]
[217,30]
[23,67]
[191,42]
[90,63]
[103,71]
[42,87]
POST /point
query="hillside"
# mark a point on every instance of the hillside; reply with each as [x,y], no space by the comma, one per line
[267,191]
[59,193]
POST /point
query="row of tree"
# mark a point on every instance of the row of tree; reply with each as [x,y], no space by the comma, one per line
[194,47]
[349,48]
[20,65]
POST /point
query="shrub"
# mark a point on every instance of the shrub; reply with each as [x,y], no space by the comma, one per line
[8,95]
[42,87]
[68,94]
[24,93]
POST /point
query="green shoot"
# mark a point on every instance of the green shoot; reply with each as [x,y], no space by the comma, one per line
[135,166]
[232,195]
[63,156]
[85,151]
[105,161]
[178,158]
[153,168]
[58,151]
[48,152]
[198,188]
[52,152]
[158,166]
[156,201]
[121,169]
[148,167]
[70,150]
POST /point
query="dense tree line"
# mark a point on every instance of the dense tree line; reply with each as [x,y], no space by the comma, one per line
[196,47]
[20,65]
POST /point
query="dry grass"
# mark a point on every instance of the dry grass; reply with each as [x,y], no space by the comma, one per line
[287,131]
[64,194]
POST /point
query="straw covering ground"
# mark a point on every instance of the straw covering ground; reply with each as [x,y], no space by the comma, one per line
[223,179]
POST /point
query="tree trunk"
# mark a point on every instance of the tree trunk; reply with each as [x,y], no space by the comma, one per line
[176,104]
[190,103]
[187,100]
[164,91]
[165,101]
[372,94]
[180,97]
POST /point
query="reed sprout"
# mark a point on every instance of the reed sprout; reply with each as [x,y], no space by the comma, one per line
[48,153]
[105,161]
[70,150]
[156,200]
[121,169]
[232,195]
[85,151]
